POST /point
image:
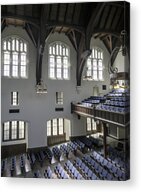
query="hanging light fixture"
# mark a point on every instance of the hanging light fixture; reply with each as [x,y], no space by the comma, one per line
[113,71]
[41,87]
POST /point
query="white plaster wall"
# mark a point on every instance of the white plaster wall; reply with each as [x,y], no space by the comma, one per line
[67,129]
[122,62]
[37,109]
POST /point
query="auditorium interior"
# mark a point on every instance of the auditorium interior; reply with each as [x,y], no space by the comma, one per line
[65,91]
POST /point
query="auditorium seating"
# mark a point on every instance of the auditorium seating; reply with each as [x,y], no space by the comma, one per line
[64,150]
[96,142]
[3,166]
[40,156]
[118,157]
[12,165]
[22,163]
[32,159]
[60,172]
[88,143]
[86,172]
[109,165]
[89,102]
[72,171]
[79,145]
[49,154]
[72,147]
[56,152]
[37,174]
[91,165]
[48,174]
[115,102]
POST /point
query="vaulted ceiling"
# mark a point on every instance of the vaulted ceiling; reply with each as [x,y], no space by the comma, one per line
[79,21]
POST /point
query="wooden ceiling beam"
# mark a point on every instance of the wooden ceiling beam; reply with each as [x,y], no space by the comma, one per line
[51,24]
[31,34]
[104,17]
[110,18]
[93,22]
[60,31]
[103,36]
[58,10]
[65,13]
[73,13]
[28,19]
[110,43]
[3,25]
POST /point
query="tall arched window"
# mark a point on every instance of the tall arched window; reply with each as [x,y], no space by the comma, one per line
[94,70]
[14,52]
[59,61]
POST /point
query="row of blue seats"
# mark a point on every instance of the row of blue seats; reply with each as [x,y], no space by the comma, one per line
[86,172]
[113,109]
[3,166]
[40,156]
[99,169]
[32,159]
[109,165]
[117,156]
[79,144]
[122,98]
[72,171]
[12,165]
[22,163]
[56,152]
[95,99]
[48,174]
[88,143]
[118,103]
[96,142]
[60,172]
[37,174]
[87,104]
[49,154]
[115,152]
[64,149]
[72,147]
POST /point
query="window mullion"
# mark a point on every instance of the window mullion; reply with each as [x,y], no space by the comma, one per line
[18,130]
[62,68]
[92,67]
[97,70]
[19,64]
[51,127]
[57,126]
[11,63]
[63,126]
[10,131]
[24,129]
[55,66]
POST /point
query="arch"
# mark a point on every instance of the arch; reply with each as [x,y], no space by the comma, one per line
[30,20]
[94,65]
[59,61]
[15,57]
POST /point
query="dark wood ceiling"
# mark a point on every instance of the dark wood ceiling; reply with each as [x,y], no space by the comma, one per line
[79,21]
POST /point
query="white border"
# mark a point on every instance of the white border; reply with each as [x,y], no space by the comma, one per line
[134,183]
